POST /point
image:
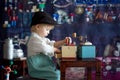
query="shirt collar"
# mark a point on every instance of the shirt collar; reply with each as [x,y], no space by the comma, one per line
[36,35]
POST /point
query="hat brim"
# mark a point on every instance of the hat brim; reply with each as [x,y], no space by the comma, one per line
[42,18]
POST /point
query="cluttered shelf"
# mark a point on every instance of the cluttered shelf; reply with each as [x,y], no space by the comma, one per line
[14,68]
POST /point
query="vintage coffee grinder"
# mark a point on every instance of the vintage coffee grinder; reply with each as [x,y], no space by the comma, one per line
[85,49]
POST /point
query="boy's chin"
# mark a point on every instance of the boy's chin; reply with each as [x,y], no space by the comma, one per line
[46,35]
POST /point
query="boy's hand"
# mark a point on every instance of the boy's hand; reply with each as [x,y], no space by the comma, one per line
[56,50]
[68,40]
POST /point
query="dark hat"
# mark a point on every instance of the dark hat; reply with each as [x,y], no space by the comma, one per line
[42,18]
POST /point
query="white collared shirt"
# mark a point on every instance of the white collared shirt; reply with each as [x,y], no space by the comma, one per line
[37,44]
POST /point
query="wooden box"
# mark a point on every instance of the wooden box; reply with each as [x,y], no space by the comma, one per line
[69,51]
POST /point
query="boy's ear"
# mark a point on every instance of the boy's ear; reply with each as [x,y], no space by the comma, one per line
[37,26]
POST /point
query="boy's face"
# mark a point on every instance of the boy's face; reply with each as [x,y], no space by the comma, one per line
[43,31]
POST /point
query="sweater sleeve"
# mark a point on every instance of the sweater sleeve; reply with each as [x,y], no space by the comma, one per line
[36,46]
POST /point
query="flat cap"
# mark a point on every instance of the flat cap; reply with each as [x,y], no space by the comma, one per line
[42,18]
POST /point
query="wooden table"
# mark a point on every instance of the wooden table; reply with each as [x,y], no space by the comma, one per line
[87,63]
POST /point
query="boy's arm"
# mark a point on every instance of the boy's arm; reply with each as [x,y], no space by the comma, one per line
[67,40]
[59,43]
